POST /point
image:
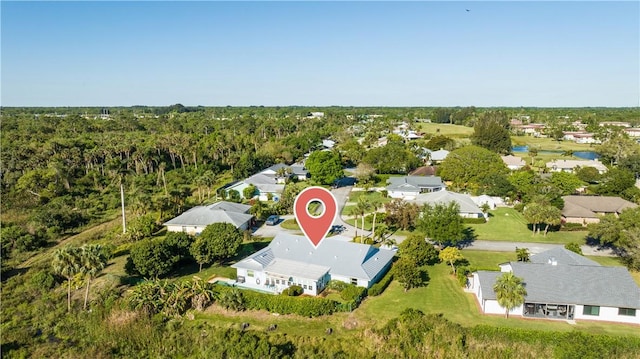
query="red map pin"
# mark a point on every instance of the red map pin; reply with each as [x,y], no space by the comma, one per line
[315,228]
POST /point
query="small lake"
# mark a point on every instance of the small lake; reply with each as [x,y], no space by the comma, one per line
[585,155]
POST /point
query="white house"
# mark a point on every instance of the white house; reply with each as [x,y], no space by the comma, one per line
[563,285]
[572,165]
[291,259]
[270,182]
[408,187]
[632,132]
[198,218]
[438,156]
[513,162]
[468,208]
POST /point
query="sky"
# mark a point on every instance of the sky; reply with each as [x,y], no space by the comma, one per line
[544,54]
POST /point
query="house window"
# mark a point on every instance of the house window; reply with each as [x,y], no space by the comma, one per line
[354,281]
[591,310]
[249,273]
[627,311]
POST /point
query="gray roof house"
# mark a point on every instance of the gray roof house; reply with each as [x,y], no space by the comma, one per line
[270,182]
[291,259]
[588,209]
[198,218]
[561,284]
[468,208]
[408,187]
[572,165]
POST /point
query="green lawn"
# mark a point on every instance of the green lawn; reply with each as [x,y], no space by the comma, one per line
[290,224]
[444,295]
[445,129]
[549,144]
[371,196]
[507,224]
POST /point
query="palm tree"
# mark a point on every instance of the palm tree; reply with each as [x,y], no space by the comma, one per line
[362,207]
[93,260]
[374,207]
[510,291]
[67,263]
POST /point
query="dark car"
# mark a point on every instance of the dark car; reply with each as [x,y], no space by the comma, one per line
[272,220]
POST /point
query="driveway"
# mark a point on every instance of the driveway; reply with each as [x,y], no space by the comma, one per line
[342,197]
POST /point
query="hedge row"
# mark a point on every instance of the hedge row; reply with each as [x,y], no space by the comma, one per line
[379,287]
[305,306]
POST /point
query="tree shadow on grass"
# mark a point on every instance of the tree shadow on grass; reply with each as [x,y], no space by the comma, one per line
[468,237]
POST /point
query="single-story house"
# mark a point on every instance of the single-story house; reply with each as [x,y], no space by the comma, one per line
[513,162]
[492,202]
[632,132]
[572,165]
[468,208]
[408,187]
[438,156]
[588,209]
[196,219]
[291,259]
[270,182]
[564,285]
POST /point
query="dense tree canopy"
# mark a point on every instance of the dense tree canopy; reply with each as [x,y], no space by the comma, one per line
[491,131]
[217,242]
[418,250]
[442,223]
[394,157]
[324,167]
[468,167]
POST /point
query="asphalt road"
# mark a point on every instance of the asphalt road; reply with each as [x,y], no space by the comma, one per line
[342,196]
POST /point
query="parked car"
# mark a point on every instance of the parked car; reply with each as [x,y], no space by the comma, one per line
[272,220]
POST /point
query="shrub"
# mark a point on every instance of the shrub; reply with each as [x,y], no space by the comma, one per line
[293,291]
[519,207]
[474,220]
[353,293]
[379,287]
[337,285]
[461,274]
[42,280]
[571,227]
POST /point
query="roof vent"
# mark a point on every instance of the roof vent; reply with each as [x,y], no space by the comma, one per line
[376,258]
[287,249]
[553,261]
[335,257]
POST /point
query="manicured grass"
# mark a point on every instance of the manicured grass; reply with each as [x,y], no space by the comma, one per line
[371,196]
[445,129]
[290,224]
[485,260]
[444,295]
[507,224]
[549,144]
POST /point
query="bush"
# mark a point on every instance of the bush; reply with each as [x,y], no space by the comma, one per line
[293,291]
[353,293]
[474,220]
[305,306]
[379,287]
[572,227]
[519,207]
[337,285]
[42,280]
[461,274]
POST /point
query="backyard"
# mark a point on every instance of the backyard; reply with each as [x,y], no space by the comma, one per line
[507,224]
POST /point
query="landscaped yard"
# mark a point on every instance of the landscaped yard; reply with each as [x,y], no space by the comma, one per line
[444,295]
[445,129]
[549,144]
[507,224]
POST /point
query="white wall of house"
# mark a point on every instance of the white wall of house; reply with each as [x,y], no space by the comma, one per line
[187,229]
[608,314]
[360,281]
[261,281]
[404,195]
[581,220]
[491,306]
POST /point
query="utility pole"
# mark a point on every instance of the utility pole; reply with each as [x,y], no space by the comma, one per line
[124,221]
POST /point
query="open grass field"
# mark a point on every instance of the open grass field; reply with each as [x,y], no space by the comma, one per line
[550,144]
[445,129]
[507,224]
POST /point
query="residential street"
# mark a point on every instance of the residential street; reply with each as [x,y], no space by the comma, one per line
[342,196]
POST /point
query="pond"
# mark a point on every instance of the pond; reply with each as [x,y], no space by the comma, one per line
[585,155]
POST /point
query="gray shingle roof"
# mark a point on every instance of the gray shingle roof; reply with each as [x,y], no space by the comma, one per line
[467,205]
[344,258]
[265,183]
[413,183]
[562,256]
[589,206]
[571,281]
[220,212]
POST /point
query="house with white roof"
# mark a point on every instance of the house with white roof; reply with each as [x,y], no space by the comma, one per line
[468,208]
[408,187]
[270,182]
[564,285]
[573,165]
[196,219]
[437,156]
[513,162]
[292,260]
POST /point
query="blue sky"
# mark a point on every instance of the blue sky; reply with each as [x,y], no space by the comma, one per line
[320,53]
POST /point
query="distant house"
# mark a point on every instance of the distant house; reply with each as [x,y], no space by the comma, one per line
[270,182]
[588,209]
[408,187]
[438,156]
[632,132]
[315,115]
[492,202]
[198,218]
[513,162]
[564,285]
[468,208]
[573,165]
[614,123]
[586,138]
[533,129]
[328,144]
[292,260]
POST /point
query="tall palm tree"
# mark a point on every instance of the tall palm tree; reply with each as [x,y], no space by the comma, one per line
[93,260]
[362,207]
[510,291]
[67,263]
[374,207]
